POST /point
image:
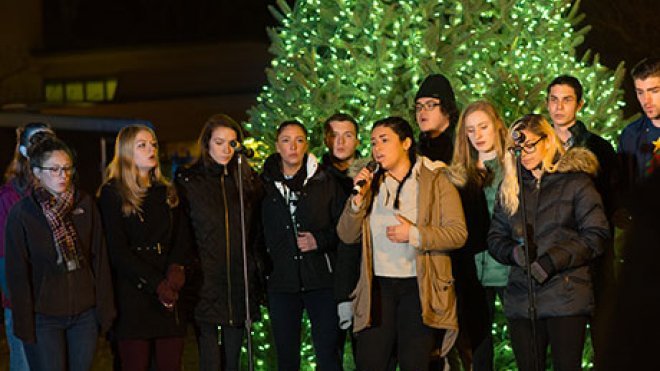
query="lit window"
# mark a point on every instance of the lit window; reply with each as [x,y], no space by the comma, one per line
[97,90]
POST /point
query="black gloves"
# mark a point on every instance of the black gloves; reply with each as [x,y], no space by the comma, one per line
[542,268]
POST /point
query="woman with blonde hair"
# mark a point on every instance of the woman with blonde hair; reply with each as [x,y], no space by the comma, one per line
[147,248]
[477,171]
[566,229]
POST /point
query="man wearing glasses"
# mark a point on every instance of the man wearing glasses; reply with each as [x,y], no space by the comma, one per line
[436,114]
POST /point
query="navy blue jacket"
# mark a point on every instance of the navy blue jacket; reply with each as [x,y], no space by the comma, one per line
[634,151]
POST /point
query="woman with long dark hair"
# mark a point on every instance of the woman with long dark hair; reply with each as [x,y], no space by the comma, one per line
[147,247]
[300,212]
[408,217]
[209,192]
[567,230]
[18,183]
[57,268]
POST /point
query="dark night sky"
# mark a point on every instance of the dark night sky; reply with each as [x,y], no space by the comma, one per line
[622,30]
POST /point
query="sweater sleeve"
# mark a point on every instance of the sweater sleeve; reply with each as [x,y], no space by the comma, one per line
[349,227]
[19,279]
[123,259]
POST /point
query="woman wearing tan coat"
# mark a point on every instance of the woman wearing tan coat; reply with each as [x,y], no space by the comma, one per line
[408,216]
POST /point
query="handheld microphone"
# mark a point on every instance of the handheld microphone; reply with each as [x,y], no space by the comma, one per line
[373,167]
[239,148]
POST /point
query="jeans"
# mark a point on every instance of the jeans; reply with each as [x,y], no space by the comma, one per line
[17,359]
[62,341]
[286,312]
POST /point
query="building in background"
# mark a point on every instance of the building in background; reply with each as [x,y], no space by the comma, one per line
[169,62]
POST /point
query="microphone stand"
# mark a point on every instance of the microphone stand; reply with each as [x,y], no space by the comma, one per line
[246,284]
[531,295]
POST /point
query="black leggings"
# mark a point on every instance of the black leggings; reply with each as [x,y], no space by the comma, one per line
[396,322]
[565,335]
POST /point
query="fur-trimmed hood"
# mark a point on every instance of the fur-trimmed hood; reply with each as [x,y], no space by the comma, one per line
[578,159]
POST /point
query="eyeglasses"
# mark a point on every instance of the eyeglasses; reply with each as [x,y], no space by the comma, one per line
[58,170]
[531,147]
[428,106]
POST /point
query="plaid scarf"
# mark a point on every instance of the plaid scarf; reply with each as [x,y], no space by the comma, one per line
[58,214]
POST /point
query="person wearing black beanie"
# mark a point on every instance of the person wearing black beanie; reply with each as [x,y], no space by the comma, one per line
[436,114]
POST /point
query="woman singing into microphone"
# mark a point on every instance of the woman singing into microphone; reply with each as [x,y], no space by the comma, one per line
[567,229]
[209,194]
[408,217]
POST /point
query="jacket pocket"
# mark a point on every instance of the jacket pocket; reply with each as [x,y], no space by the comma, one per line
[441,293]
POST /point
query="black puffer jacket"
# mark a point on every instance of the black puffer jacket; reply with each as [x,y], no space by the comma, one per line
[209,195]
[569,226]
[317,211]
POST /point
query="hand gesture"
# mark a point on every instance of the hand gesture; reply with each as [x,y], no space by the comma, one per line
[399,233]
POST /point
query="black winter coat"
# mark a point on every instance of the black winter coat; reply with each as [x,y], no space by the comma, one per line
[347,270]
[210,197]
[569,226]
[609,178]
[141,248]
[318,210]
[37,284]
[470,294]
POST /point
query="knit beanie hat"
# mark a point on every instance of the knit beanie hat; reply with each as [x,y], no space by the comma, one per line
[436,86]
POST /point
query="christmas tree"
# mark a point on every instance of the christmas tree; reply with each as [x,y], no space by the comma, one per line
[367,57]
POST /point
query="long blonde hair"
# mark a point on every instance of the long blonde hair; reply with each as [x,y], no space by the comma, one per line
[124,172]
[464,161]
[538,125]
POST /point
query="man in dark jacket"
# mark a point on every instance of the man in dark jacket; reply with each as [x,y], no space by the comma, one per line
[341,139]
[564,101]
[436,114]
[639,144]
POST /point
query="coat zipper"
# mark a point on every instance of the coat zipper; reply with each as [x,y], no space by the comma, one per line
[227,248]
[327,261]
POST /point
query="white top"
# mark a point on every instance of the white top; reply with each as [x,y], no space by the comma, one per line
[394,259]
